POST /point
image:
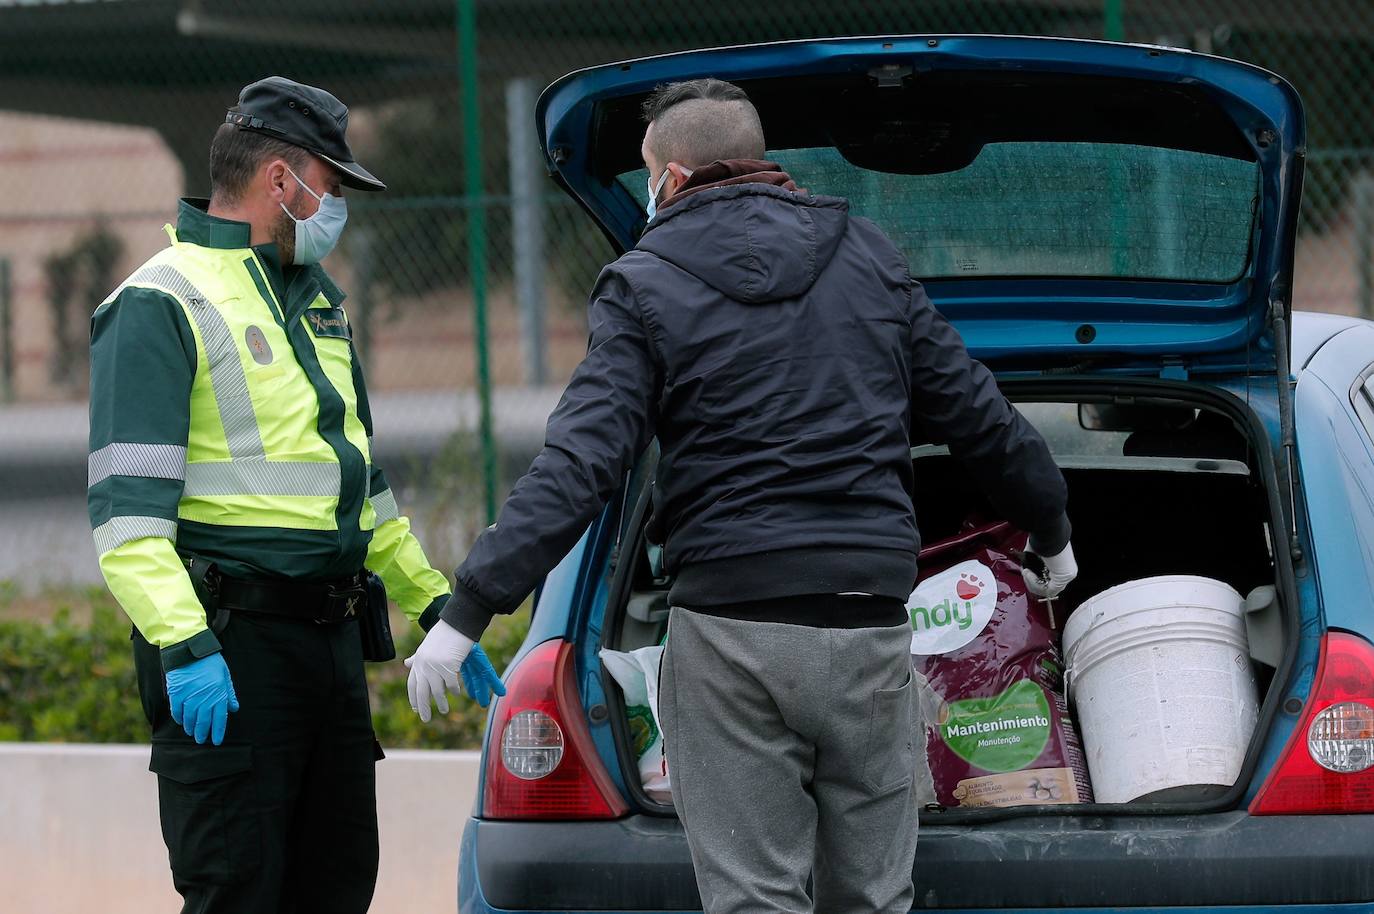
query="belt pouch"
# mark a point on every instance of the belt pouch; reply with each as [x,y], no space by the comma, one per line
[374,626]
[205,581]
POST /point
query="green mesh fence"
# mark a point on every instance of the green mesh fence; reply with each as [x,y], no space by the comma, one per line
[107,108]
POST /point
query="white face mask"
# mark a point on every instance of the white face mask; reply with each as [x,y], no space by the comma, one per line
[317,235]
[655,188]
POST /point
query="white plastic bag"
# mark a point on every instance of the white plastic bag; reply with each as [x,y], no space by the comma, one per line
[928,709]
[636,672]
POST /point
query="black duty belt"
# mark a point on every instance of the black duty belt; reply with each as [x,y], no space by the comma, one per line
[321,601]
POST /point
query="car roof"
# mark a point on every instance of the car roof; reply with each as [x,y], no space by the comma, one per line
[1312,330]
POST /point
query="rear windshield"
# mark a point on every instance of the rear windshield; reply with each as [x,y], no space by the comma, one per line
[1051,209]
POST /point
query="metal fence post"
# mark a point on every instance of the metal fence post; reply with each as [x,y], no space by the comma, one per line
[477,239]
[363,251]
[1113,24]
[6,334]
[1363,192]
[527,225]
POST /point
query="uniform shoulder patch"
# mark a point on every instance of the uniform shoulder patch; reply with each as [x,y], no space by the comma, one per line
[329,322]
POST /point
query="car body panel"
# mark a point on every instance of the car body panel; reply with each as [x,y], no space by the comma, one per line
[1336,455]
[1311,331]
[1229,860]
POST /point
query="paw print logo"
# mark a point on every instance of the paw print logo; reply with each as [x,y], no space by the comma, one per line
[968,586]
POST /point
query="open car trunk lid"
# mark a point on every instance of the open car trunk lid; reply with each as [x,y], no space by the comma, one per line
[1120,207]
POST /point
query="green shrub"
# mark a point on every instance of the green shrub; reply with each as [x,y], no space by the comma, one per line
[67,675]
[68,681]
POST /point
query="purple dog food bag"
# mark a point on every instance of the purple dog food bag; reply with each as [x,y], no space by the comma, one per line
[998,731]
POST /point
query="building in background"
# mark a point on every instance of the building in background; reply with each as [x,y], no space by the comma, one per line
[58,191]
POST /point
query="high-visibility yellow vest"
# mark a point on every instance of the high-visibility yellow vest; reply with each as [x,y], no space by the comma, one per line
[255,455]
[229,417]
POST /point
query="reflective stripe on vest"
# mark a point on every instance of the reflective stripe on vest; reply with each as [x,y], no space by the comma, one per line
[154,461]
[262,477]
[226,373]
[384,503]
[125,529]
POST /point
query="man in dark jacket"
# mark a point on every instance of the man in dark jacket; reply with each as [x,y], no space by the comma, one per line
[781,353]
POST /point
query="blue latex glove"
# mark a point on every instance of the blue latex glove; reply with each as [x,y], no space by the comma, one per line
[479,677]
[202,696]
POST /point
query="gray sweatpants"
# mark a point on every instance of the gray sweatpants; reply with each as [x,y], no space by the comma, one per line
[790,750]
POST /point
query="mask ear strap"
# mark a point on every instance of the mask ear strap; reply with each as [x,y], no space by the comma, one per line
[317,197]
[686,173]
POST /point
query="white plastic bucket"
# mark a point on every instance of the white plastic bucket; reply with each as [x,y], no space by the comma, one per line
[1160,673]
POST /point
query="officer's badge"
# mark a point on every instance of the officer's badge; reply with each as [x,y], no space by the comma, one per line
[257,345]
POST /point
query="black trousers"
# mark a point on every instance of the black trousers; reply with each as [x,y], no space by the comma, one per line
[282,817]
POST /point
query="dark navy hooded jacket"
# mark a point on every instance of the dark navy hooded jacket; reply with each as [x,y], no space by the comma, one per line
[781,353]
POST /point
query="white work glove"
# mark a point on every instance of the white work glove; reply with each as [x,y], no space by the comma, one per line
[434,668]
[1059,570]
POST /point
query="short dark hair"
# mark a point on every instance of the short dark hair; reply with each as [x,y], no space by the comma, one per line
[236,154]
[702,120]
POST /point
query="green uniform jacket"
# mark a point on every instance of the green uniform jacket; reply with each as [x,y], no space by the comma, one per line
[229,419]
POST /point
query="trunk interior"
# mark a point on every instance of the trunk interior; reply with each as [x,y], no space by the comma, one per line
[1157,486]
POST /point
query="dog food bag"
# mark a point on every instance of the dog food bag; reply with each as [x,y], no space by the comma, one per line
[997,726]
[636,672]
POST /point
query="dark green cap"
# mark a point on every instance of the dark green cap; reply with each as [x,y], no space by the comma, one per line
[302,116]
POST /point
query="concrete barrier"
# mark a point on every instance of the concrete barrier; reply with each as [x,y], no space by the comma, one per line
[79,830]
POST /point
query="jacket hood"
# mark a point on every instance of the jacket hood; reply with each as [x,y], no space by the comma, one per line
[727,172]
[750,235]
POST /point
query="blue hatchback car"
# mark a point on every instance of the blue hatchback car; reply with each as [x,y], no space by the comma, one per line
[1111,227]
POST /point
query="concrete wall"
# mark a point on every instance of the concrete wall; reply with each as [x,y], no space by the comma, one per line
[79,830]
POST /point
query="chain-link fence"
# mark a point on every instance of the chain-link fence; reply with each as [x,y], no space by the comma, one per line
[107,108]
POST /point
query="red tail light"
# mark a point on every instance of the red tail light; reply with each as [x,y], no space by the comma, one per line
[541,763]
[1328,764]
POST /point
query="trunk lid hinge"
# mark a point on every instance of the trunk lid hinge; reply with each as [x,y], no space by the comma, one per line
[1173,369]
[1278,319]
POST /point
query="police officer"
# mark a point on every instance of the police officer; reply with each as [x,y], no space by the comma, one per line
[235,507]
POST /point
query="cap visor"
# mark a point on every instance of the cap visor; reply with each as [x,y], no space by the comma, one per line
[354,175]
